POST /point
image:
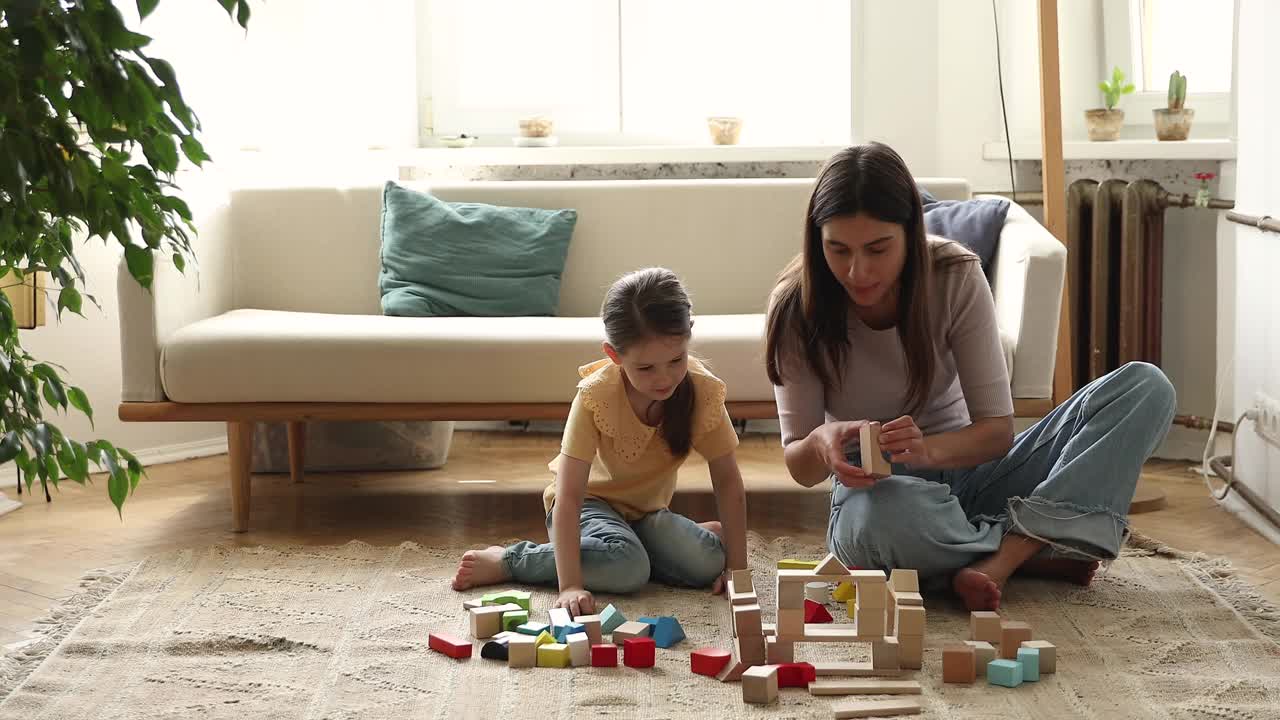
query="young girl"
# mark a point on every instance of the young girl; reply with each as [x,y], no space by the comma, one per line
[875,321]
[638,412]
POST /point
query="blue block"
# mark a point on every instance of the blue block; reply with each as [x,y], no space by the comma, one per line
[610,619]
[652,622]
[1004,672]
[1029,658]
[667,632]
[562,633]
[532,628]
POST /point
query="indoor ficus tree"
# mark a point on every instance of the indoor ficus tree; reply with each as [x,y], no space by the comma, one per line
[92,131]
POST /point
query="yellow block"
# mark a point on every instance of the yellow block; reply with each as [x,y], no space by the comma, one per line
[850,609]
[543,638]
[553,655]
[791,564]
[846,592]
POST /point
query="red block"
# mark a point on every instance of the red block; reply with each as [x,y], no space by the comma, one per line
[604,655]
[816,612]
[796,675]
[638,652]
[709,661]
[449,645]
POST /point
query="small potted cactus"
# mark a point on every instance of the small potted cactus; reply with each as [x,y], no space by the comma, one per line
[1104,123]
[1174,122]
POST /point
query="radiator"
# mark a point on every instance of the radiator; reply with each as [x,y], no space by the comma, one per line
[1115,250]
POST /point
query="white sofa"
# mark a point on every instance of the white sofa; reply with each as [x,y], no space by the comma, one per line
[284,320]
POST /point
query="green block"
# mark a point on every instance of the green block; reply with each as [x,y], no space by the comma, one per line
[515,597]
[513,620]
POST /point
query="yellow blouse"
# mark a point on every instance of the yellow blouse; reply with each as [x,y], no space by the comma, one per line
[633,469]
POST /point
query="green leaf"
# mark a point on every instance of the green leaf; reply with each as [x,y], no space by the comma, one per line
[194,150]
[117,481]
[9,446]
[51,471]
[55,395]
[80,401]
[1127,89]
[41,439]
[145,7]
[179,262]
[141,263]
[69,299]
[242,14]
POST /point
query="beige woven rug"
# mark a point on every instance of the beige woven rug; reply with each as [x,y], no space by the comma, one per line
[341,632]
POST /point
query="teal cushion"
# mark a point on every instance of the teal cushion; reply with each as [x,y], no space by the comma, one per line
[443,258]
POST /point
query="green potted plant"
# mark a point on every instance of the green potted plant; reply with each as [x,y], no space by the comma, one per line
[93,129]
[1104,123]
[1174,122]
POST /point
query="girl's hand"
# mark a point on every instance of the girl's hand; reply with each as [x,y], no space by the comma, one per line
[577,601]
[905,442]
[832,439]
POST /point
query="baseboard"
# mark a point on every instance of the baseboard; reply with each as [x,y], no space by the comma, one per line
[1184,443]
[148,457]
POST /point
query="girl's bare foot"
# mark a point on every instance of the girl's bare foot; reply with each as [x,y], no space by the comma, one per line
[1079,572]
[977,589]
[713,526]
[481,567]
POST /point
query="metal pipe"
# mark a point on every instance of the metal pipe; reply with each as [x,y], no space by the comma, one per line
[1244,491]
[1265,223]
[1196,422]
[1185,200]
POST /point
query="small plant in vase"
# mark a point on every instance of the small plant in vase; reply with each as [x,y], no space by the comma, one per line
[1104,123]
[1174,122]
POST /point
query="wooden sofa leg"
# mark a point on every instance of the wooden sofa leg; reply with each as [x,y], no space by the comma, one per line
[297,450]
[240,454]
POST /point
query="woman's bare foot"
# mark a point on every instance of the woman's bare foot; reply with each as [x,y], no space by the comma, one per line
[481,567]
[1079,572]
[713,526]
[977,589]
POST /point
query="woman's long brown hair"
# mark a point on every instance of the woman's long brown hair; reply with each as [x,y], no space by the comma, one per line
[809,312]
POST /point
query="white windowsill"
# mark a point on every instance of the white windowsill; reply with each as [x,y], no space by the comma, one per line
[615,155]
[1144,149]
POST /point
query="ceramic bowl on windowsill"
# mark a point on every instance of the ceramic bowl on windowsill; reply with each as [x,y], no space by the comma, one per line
[457,141]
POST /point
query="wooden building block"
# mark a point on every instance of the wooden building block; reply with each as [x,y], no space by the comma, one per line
[791,595]
[910,651]
[1012,634]
[449,645]
[864,576]
[553,655]
[513,620]
[790,622]
[914,599]
[630,629]
[732,671]
[904,580]
[468,604]
[533,628]
[740,597]
[983,653]
[522,652]
[564,631]
[604,655]
[851,609]
[579,649]
[910,621]
[667,632]
[760,684]
[808,576]
[486,621]
[793,564]
[873,595]
[835,632]
[984,626]
[818,592]
[816,613]
[610,619]
[796,674]
[709,661]
[544,638]
[1030,659]
[891,615]
[844,592]
[959,663]
[639,652]
[865,686]
[559,618]
[875,708]
[1048,655]
[750,649]
[1007,673]
[743,580]
[509,597]
[591,624]
[885,654]
[870,621]
[831,565]
[746,618]
[842,668]
[778,651]
[873,461]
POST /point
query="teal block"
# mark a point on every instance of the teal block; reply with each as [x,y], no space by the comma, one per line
[533,628]
[562,633]
[667,632]
[514,619]
[1004,672]
[1029,658]
[610,619]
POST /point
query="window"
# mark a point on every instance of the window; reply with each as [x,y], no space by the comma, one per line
[644,71]
[1149,39]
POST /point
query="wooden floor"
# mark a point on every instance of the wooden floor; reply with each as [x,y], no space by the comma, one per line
[489,491]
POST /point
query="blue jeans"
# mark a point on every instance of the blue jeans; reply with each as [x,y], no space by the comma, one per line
[1067,481]
[620,557]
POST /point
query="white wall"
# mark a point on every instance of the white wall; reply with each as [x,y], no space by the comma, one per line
[1257,254]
